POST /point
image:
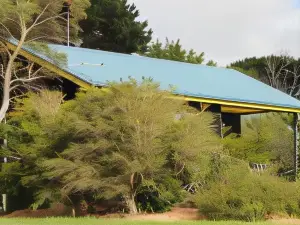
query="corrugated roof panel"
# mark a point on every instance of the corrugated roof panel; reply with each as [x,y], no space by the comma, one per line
[188,79]
[200,81]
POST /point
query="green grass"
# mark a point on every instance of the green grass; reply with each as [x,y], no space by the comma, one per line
[92,221]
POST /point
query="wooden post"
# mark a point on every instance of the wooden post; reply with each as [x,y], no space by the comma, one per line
[216,110]
[296,144]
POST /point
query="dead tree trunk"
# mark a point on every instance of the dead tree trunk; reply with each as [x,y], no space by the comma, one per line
[130,202]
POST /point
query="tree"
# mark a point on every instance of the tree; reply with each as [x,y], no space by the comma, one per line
[250,72]
[121,142]
[25,23]
[236,193]
[212,63]
[174,51]
[33,132]
[267,139]
[281,72]
[112,25]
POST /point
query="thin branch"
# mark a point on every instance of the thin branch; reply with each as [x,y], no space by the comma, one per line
[26,80]
[13,88]
[36,72]
[23,68]
[23,60]
[17,96]
[2,71]
[7,30]
[180,170]
[51,18]
[30,69]
[34,39]
[36,87]
[8,18]
[39,16]
[5,48]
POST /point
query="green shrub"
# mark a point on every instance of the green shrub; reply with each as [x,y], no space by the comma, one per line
[162,197]
[241,194]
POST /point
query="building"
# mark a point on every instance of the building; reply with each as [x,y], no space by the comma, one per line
[225,92]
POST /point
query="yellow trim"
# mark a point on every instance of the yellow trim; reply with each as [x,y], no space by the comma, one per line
[239,104]
[252,107]
[240,110]
[233,109]
[51,67]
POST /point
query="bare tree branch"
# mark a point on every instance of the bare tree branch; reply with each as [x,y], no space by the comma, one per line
[21,24]
[8,31]
[35,39]
[5,48]
[281,77]
[38,17]
[26,80]
[50,18]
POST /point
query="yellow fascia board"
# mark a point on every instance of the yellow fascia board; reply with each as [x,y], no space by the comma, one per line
[240,110]
[50,67]
[239,104]
[87,85]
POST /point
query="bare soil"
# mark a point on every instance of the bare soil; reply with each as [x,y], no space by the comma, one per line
[286,221]
[176,214]
[56,211]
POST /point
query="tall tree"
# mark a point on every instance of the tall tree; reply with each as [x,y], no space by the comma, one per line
[25,22]
[283,73]
[112,25]
[174,51]
[127,145]
[106,143]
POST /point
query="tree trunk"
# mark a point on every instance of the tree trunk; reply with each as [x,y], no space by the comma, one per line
[130,202]
[4,108]
[73,212]
[7,78]
[6,88]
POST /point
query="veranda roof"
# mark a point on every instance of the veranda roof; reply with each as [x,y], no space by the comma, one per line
[236,92]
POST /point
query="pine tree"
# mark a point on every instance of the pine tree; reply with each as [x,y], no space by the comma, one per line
[112,25]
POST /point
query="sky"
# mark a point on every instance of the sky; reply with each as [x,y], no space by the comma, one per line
[226,30]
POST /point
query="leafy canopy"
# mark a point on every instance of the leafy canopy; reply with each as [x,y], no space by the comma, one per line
[174,51]
[265,139]
[40,20]
[32,24]
[112,25]
[125,134]
[119,141]
[234,192]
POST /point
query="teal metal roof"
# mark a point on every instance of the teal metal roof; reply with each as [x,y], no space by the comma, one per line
[188,79]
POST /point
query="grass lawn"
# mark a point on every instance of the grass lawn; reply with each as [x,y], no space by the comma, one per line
[92,221]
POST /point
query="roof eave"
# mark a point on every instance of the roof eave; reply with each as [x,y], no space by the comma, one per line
[85,84]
